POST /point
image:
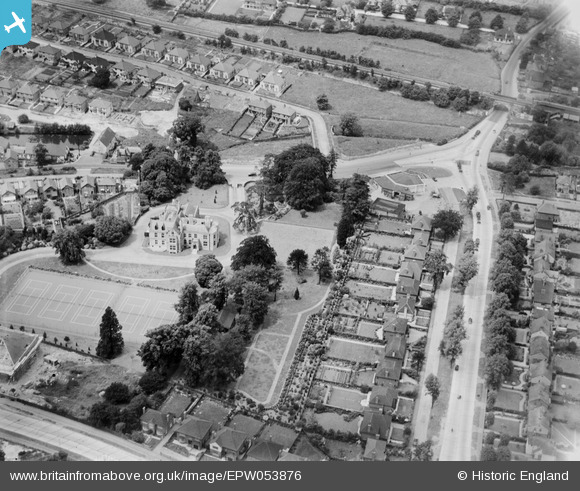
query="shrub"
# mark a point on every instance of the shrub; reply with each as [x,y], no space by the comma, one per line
[152,382]
[117,393]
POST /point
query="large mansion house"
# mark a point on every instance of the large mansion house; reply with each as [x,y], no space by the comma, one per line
[179,227]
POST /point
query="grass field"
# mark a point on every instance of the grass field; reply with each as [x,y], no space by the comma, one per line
[285,238]
[355,351]
[347,399]
[204,198]
[253,152]
[473,70]
[353,147]
[326,217]
[142,271]
[504,424]
[510,400]
[74,305]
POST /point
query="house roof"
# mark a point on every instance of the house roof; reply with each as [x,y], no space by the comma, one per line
[186,400]
[284,110]
[275,79]
[264,451]
[547,312]
[286,456]
[195,428]
[231,439]
[544,224]
[248,73]
[75,56]
[396,325]
[7,187]
[395,345]
[179,52]
[107,136]
[53,93]
[260,104]
[421,237]
[49,184]
[407,285]
[548,208]
[388,206]
[15,346]
[105,35]
[223,67]
[375,424]
[75,99]
[101,104]
[279,434]
[540,369]
[390,369]
[246,424]
[200,60]
[539,421]
[383,396]
[405,179]
[539,348]
[48,50]
[177,402]
[155,417]
[422,223]
[30,45]
[125,66]
[406,302]
[168,81]
[375,450]
[416,252]
[88,181]
[98,62]
[543,291]
[130,40]
[156,45]
[538,395]
[149,72]
[410,269]
[8,84]
[541,324]
[28,89]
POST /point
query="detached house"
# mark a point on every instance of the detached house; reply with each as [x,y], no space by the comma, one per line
[74,60]
[375,425]
[8,88]
[103,38]
[229,444]
[97,63]
[67,187]
[505,36]
[28,92]
[248,77]
[260,109]
[223,71]
[7,193]
[106,142]
[194,432]
[29,49]
[168,84]
[53,96]
[50,189]
[178,56]
[101,107]
[76,103]
[155,49]
[156,423]
[274,83]
[148,76]
[61,27]
[198,63]
[82,33]
[129,44]
[88,186]
[283,114]
[30,191]
[126,72]
[48,54]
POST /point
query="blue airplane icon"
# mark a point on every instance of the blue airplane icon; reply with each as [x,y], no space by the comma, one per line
[16,17]
[17,23]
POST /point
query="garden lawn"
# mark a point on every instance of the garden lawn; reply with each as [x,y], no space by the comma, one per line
[253,152]
[353,147]
[355,351]
[510,400]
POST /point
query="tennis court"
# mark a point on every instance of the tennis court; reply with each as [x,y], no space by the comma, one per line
[347,399]
[74,305]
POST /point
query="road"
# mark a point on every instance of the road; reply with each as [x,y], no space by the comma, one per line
[82,442]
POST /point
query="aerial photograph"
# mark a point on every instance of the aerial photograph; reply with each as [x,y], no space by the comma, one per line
[289,231]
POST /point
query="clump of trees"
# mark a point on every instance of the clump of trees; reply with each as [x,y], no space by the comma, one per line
[112,230]
[447,223]
[453,334]
[68,244]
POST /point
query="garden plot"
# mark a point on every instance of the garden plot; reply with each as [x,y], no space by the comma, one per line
[368,254]
[354,351]
[368,329]
[375,311]
[569,218]
[390,258]
[373,273]
[389,242]
[344,324]
[334,374]
[364,377]
[352,306]
[567,386]
[366,290]
[509,425]
[341,398]
[510,400]
[337,422]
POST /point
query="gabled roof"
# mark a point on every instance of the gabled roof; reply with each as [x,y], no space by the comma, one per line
[543,291]
[375,424]
[8,84]
[156,45]
[107,136]
[279,434]
[75,56]
[179,52]
[105,35]
[231,439]
[539,370]
[548,208]
[246,424]
[538,395]
[15,345]
[53,93]
[28,89]
[408,286]
[125,66]
[539,421]
[286,456]
[97,61]
[130,40]
[375,450]
[264,451]
[422,223]
[541,324]
[395,345]
[547,312]
[195,428]
[48,50]
[410,269]
[155,417]
[223,67]
[539,348]
[75,99]
[101,103]
[88,181]
[421,237]
[30,45]
[248,73]
[416,252]
[383,396]
[200,60]
[390,369]
[273,78]
[177,402]
[396,325]
[149,72]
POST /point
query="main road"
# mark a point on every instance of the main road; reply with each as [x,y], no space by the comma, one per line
[82,442]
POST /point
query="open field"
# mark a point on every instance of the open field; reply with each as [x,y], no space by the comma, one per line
[347,399]
[354,351]
[327,217]
[413,57]
[74,305]
[353,147]
[285,238]
[253,152]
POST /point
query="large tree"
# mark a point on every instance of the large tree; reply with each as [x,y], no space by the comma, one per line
[217,293]
[437,266]
[497,22]
[297,260]
[471,198]
[255,302]
[117,393]
[164,347]
[185,130]
[410,13]
[449,222]
[41,155]
[306,185]
[206,169]
[497,367]
[112,230]
[188,303]
[110,338]
[466,270]
[321,264]
[206,268]
[344,230]
[246,217]
[387,8]
[251,273]
[355,198]
[69,245]
[433,386]
[163,177]
[350,125]
[431,16]
[101,79]
[254,250]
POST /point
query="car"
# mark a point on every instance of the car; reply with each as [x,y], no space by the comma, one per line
[435,179]
[457,369]
[252,174]
[477,153]
[477,133]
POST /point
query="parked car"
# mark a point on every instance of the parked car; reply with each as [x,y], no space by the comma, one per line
[477,133]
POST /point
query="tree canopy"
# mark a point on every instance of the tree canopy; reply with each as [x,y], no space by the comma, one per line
[206,268]
[321,264]
[186,129]
[254,250]
[297,260]
[69,245]
[112,230]
[188,303]
[110,338]
[163,177]
[449,222]
[437,266]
